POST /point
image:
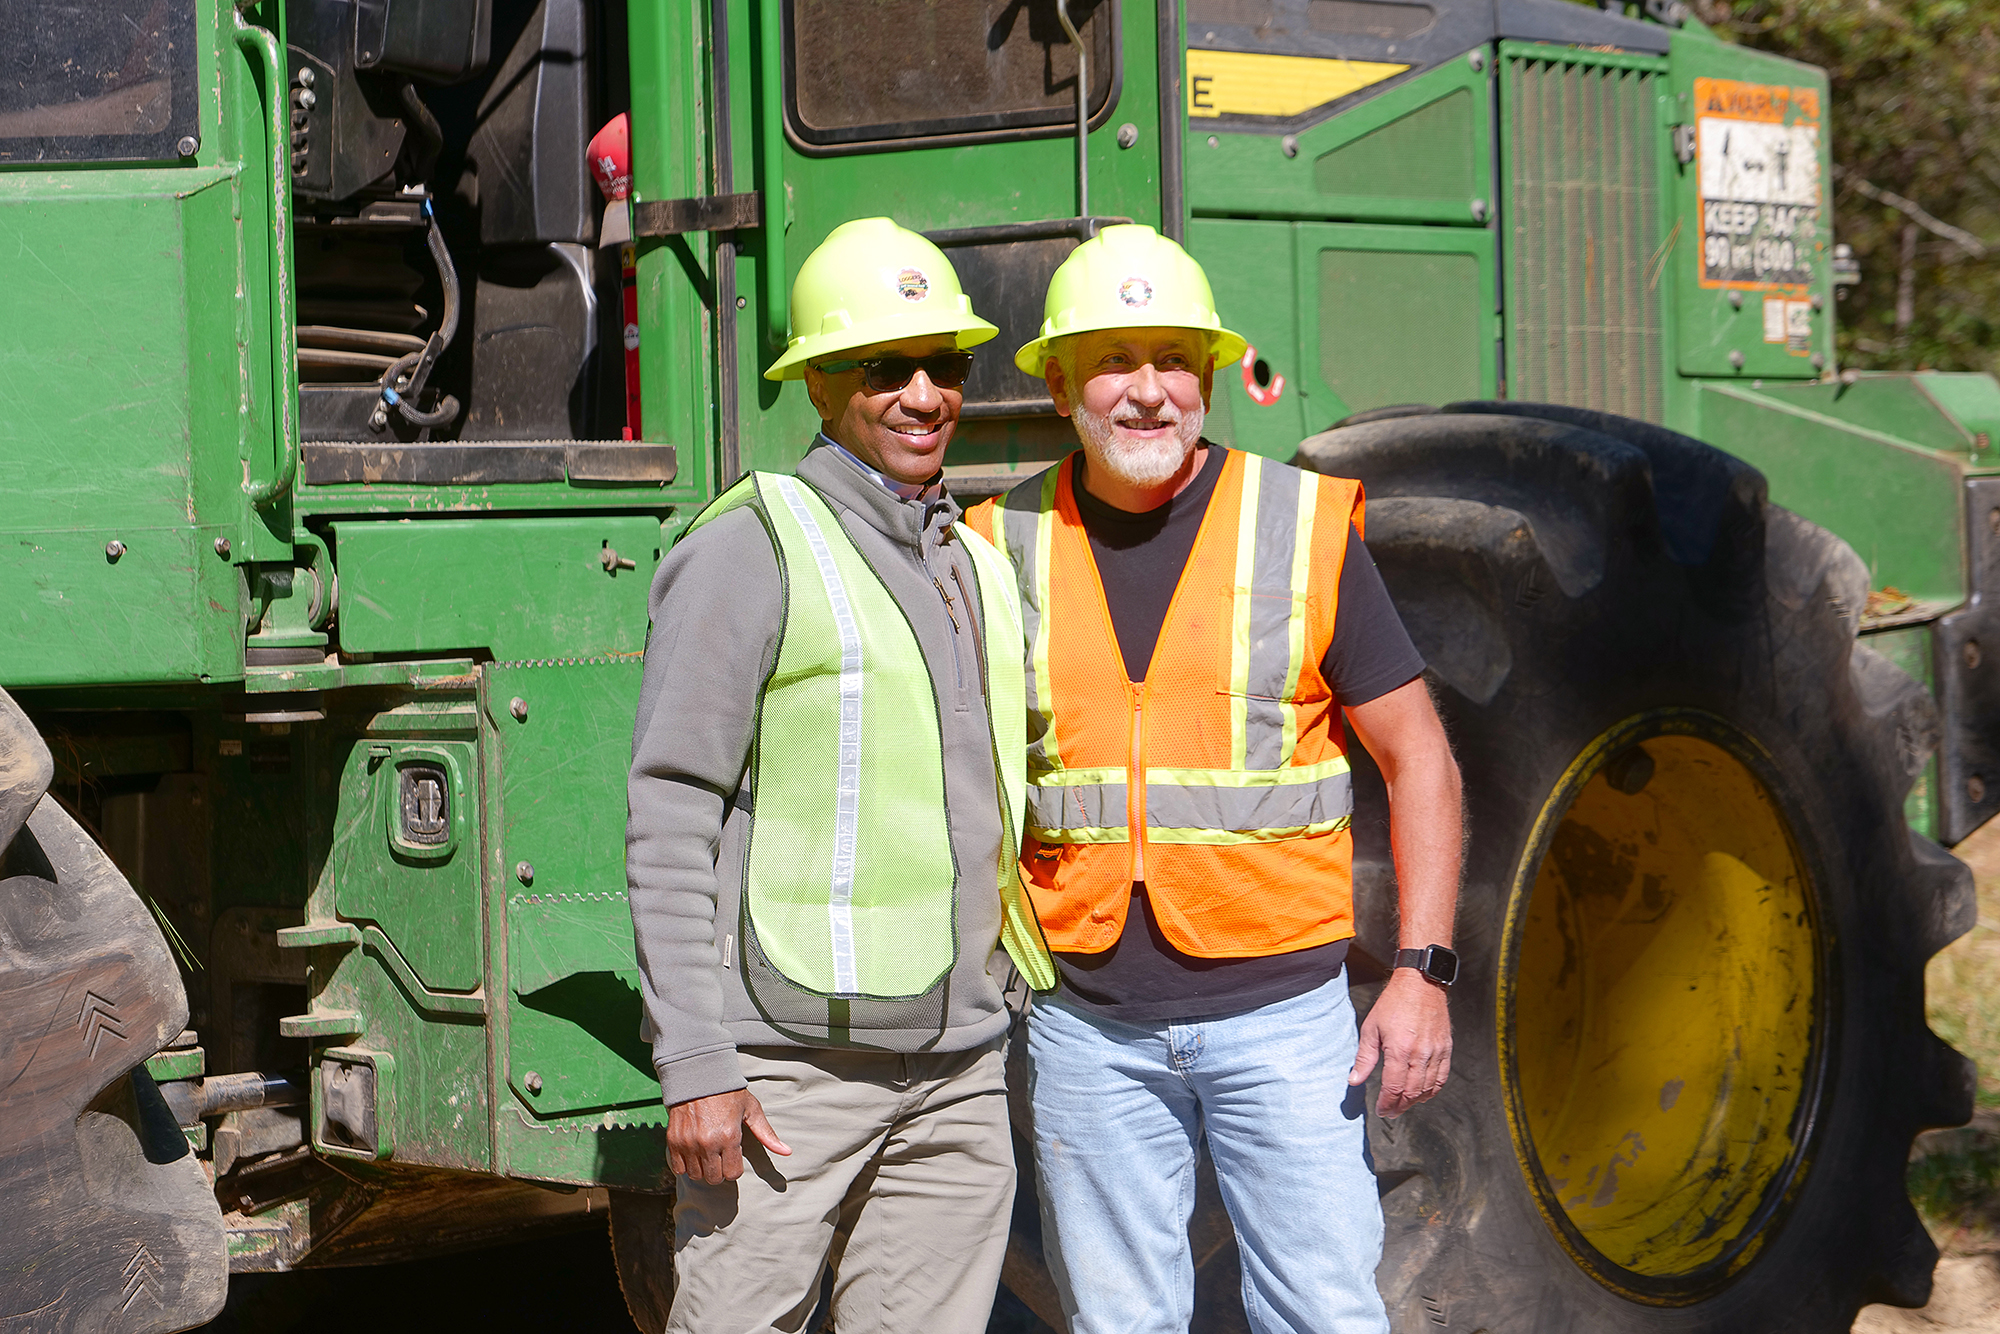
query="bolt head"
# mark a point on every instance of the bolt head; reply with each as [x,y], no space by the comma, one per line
[1289,145]
[524,872]
[113,549]
[307,78]
[188,146]
[222,547]
[307,99]
[519,708]
[532,1082]
[1736,358]
[1128,134]
[1975,788]
[1970,652]
[1476,59]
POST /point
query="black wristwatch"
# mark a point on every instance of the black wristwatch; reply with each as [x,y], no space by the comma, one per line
[1437,963]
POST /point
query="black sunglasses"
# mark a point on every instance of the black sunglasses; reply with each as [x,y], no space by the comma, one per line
[946,370]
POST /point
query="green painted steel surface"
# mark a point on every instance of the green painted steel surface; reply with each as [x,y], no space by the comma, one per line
[1419,152]
[164,609]
[1252,267]
[1900,506]
[520,588]
[1401,315]
[557,871]
[425,897]
[1582,228]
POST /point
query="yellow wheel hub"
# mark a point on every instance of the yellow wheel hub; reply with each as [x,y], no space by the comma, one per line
[1659,1014]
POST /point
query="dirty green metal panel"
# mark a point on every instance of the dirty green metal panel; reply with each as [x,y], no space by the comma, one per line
[670,160]
[439,1116]
[1943,413]
[573,1011]
[167,608]
[521,588]
[1250,268]
[1419,152]
[1581,145]
[1752,261]
[1909,647]
[1901,507]
[419,885]
[1394,315]
[1972,403]
[622,1148]
[101,423]
[388,948]
[574,1005]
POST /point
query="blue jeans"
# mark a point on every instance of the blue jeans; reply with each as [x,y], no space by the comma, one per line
[1118,1108]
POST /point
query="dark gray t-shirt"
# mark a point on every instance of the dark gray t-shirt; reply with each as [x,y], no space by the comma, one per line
[1143,978]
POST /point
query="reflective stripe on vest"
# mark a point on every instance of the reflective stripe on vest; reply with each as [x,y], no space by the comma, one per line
[1259,798]
[850,882]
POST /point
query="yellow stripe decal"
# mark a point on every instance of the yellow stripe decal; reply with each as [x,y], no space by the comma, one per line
[1246,83]
[1226,837]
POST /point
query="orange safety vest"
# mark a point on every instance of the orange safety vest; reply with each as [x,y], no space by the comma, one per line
[1245,803]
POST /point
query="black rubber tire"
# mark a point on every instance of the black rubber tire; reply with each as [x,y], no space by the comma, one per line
[642,1248]
[1562,571]
[110,1223]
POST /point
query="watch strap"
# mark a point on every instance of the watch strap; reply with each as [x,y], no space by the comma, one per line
[1423,959]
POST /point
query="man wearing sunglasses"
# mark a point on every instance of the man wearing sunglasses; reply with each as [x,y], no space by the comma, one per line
[821,857]
[1199,622]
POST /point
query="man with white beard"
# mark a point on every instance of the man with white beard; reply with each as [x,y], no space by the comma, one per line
[1198,621]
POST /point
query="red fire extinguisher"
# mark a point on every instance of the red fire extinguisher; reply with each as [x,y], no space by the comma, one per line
[611,166]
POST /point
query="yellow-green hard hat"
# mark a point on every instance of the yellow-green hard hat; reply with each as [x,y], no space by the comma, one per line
[1128,277]
[873,282]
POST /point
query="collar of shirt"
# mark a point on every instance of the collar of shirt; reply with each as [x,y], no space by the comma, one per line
[931,490]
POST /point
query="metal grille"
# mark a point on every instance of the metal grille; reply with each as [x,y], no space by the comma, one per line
[1584,260]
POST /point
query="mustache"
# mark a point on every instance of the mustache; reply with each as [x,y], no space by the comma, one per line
[1166,412]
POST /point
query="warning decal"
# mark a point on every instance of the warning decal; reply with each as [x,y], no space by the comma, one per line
[1757,146]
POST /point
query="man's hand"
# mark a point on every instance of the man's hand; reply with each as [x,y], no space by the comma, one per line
[705,1135]
[1409,1030]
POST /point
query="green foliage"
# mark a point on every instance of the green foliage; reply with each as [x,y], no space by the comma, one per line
[1916,113]
[1956,1182]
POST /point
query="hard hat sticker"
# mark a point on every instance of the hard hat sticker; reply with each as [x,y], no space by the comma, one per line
[1136,292]
[911,285]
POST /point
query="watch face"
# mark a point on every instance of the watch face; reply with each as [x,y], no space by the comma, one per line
[1441,965]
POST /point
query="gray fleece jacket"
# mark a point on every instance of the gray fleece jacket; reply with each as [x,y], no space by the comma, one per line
[717,610]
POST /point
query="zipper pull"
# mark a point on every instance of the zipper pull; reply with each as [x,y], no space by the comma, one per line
[945,593]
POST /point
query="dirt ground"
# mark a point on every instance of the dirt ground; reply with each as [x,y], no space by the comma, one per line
[1955,1174]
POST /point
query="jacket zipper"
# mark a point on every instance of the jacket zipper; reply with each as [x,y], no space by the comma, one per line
[1135,787]
[957,630]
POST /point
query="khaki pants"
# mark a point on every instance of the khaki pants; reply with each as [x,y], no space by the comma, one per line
[901,1178]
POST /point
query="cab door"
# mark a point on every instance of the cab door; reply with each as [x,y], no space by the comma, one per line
[956,118]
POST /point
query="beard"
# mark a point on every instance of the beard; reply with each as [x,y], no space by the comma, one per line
[1138,462]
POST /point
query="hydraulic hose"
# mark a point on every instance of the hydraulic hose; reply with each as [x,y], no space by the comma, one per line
[404,381]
